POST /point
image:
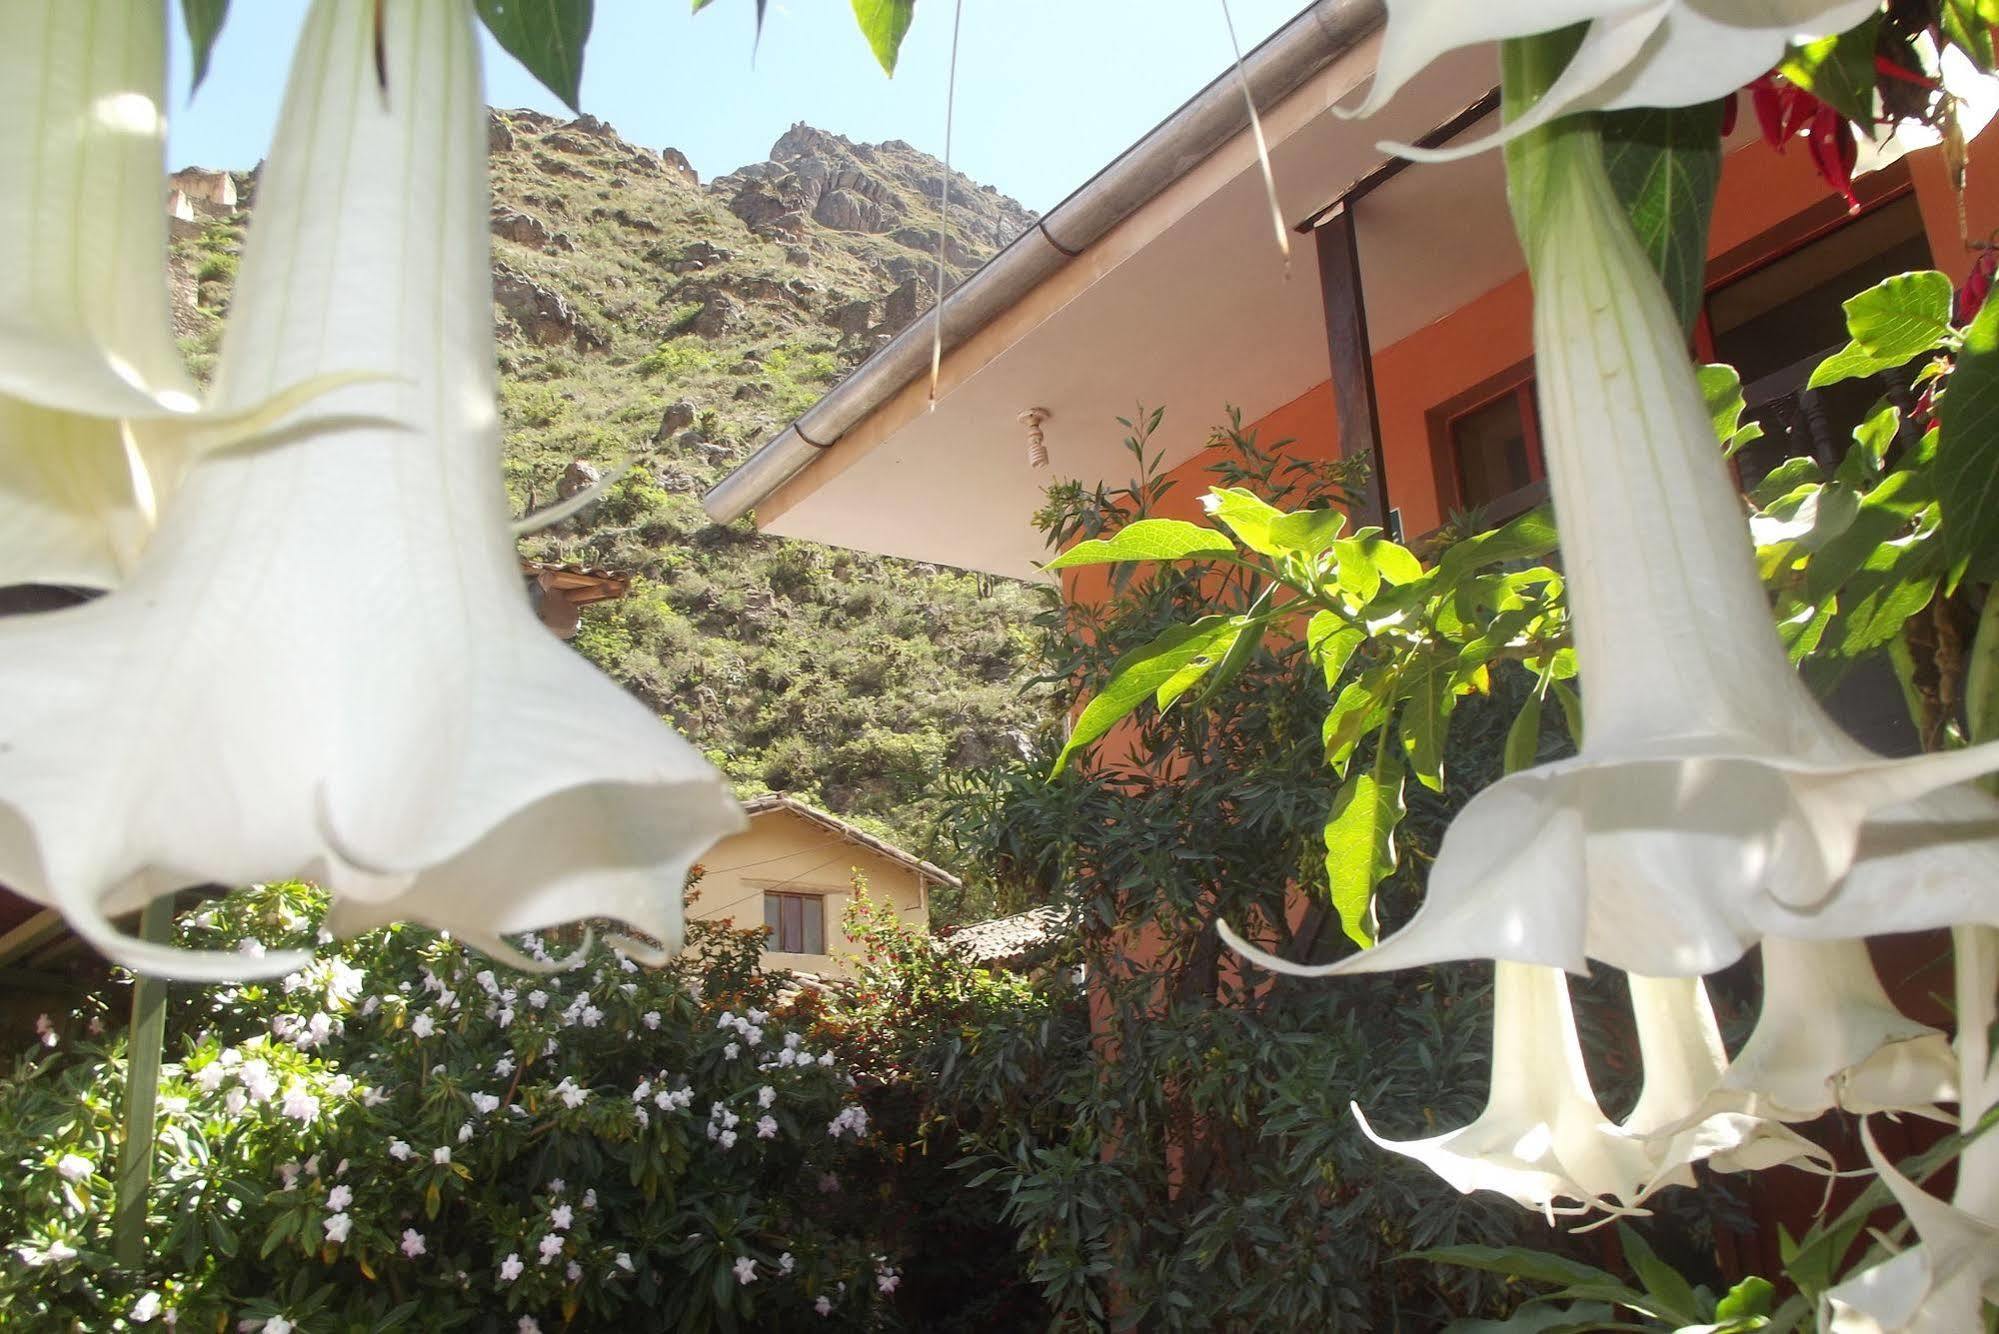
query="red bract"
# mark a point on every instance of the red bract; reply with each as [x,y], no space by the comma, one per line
[1977,286]
[1834,153]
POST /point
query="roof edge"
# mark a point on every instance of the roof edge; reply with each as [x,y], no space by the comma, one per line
[778,801]
[1280,65]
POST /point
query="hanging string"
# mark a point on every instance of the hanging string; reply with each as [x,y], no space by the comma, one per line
[1262,149]
[944,207]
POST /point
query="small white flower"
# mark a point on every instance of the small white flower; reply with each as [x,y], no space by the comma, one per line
[592,1016]
[557,1186]
[339,1197]
[412,1242]
[337,1227]
[551,1246]
[766,1096]
[825,1058]
[144,1309]
[465,1133]
[486,1103]
[731,1051]
[528,1325]
[209,1078]
[74,1167]
[624,1262]
[650,1019]
[373,1097]
[423,1026]
[504,1066]
[590,1198]
[537,999]
[785,1264]
[824,1306]
[887,1279]
[235,1102]
[753,1035]
[277,1324]
[399,1150]
[571,1094]
[339,1086]
[726,1138]
[288,1173]
[727,1020]
[767,1127]
[746,1270]
[511,1267]
[573,1272]
[791,1041]
[441,1155]
[505,1017]
[561,1216]
[300,1105]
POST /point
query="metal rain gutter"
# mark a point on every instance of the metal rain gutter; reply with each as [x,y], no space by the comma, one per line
[1215,115]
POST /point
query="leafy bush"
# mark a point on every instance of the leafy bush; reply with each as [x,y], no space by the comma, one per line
[404,1135]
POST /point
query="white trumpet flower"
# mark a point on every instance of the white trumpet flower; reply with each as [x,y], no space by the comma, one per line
[1680,1047]
[1713,802]
[324,664]
[1828,1036]
[1938,1286]
[1635,53]
[1542,1140]
[86,343]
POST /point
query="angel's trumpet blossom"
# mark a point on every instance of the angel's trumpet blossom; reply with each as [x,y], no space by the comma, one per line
[1635,53]
[1542,1140]
[86,341]
[1680,1046]
[1713,803]
[324,664]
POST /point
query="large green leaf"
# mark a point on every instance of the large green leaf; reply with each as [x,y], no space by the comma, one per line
[1360,841]
[1139,675]
[1148,539]
[1427,706]
[1890,323]
[1527,537]
[1517,1261]
[1264,528]
[1665,164]
[1331,642]
[1967,468]
[885,23]
[1839,70]
[547,36]
[204,20]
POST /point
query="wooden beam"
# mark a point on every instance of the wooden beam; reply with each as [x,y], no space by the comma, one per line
[18,942]
[1352,359]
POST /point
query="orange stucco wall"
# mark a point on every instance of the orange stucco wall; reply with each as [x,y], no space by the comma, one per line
[1489,335]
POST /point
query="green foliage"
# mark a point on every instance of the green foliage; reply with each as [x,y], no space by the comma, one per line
[400,1093]
[546,36]
[1968,453]
[1665,165]
[884,23]
[204,20]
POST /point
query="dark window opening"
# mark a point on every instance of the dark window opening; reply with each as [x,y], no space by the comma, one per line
[797,923]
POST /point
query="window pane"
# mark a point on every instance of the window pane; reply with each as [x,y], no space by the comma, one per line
[1491,447]
[770,916]
[793,932]
[815,925]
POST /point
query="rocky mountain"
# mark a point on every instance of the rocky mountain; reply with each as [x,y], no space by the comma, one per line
[645,317]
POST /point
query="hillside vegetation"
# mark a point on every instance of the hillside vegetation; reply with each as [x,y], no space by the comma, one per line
[645,317]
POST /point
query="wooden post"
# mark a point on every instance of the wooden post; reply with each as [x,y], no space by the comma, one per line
[1352,358]
[143,1047]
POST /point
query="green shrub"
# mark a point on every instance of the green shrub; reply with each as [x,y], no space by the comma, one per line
[404,1134]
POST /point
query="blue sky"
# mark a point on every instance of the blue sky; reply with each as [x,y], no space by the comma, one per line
[1048,90]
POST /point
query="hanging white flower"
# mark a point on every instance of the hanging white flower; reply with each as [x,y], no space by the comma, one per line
[1635,53]
[1713,802]
[1542,1140]
[96,406]
[1681,1052]
[325,665]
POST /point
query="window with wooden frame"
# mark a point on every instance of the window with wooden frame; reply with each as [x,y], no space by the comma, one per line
[1486,444]
[797,922]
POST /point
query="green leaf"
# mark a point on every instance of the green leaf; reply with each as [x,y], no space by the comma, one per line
[1523,738]
[1357,709]
[1721,386]
[547,36]
[1661,1280]
[204,20]
[1665,165]
[1965,28]
[1307,532]
[1518,1262]
[1247,515]
[1202,663]
[1425,718]
[1139,674]
[1148,539]
[885,23]
[1572,710]
[1967,471]
[1751,1297]
[1527,537]
[1331,642]
[1839,71]
[1360,841]
[1890,323]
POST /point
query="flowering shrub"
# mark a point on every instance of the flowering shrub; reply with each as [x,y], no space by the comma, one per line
[402,1135]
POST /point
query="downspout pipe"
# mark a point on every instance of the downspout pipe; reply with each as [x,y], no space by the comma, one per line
[1215,115]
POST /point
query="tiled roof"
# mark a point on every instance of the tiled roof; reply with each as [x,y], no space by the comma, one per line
[777,801]
[1006,939]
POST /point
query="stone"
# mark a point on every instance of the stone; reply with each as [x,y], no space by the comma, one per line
[848,211]
[541,313]
[719,315]
[577,478]
[520,228]
[853,317]
[499,137]
[679,415]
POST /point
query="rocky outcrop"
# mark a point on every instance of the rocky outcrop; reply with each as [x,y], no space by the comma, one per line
[541,313]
